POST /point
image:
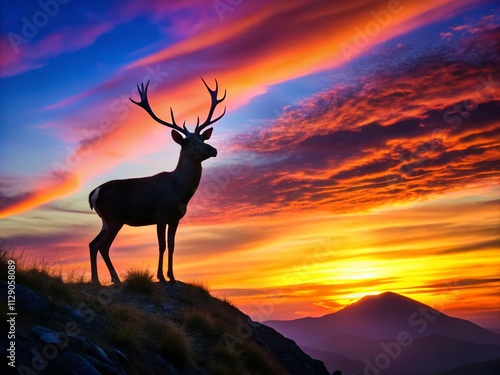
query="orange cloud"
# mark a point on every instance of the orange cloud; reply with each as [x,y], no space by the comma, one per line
[65,185]
[276,42]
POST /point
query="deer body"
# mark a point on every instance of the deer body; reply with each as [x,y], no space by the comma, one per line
[145,201]
[160,199]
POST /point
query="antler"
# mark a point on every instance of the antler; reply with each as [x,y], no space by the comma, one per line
[144,103]
[215,102]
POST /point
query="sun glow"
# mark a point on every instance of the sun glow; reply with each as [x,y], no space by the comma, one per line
[361,269]
[347,299]
[338,175]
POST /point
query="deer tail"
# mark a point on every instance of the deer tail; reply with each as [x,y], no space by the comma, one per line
[93,197]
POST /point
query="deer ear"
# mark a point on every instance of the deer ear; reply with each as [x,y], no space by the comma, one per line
[207,134]
[177,137]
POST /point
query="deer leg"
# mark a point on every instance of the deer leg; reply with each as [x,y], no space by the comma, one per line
[104,249]
[160,231]
[172,228]
[94,248]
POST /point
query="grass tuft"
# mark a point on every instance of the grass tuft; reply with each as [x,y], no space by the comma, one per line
[201,322]
[37,275]
[257,361]
[139,281]
[173,342]
[224,361]
[136,330]
[126,326]
[198,284]
[195,294]
[76,276]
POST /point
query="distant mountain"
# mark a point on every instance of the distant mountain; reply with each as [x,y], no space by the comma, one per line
[482,368]
[347,345]
[425,355]
[383,316]
[390,334]
[334,361]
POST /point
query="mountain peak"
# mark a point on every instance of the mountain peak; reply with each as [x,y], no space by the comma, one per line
[387,304]
[386,296]
[389,329]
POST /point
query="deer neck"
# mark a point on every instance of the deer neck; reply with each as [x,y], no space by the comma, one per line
[188,173]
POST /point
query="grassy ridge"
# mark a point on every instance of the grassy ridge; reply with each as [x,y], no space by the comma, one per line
[151,323]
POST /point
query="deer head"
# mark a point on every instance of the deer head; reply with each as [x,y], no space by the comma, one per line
[193,145]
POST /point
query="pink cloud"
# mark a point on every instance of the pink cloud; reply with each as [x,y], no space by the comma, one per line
[446,36]
[461,27]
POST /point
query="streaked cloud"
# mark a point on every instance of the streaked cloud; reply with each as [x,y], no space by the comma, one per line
[397,136]
[359,153]
[230,49]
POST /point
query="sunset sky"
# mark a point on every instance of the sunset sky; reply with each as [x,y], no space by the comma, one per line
[359,152]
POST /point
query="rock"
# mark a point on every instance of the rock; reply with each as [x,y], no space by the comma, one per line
[168,308]
[104,368]
[77,349]
[71,364]
[94,355]
[48,336]
[83,345]
[23,350]
[28,302]
[66,312]
[118,356]
[98,353]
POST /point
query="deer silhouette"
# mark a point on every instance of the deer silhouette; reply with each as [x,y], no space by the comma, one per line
[160,199]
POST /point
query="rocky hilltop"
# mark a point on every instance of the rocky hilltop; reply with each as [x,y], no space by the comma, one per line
[139,328]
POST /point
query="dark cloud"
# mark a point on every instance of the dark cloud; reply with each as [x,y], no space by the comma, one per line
[492,245]
[462,283]
[409,133]
[59,208]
